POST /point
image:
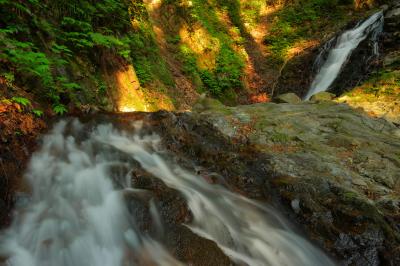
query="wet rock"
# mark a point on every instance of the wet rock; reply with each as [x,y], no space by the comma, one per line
[391,58]
[322,96]
[295,205]
[288,98]
[19,130]
[3,211]
[329,166]
[21,199]
[393,13]
[384,7]
[162,212]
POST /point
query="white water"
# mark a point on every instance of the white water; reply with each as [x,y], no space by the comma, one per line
[76,217]
[341,51]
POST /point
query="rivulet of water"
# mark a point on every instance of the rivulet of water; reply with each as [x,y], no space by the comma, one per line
[338,50]
[78,217]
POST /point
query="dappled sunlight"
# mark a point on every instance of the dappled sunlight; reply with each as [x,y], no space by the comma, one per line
[378,97]
[202,44]
[129,96]
[299,47]
[376,106]
[259,30]
[153,4]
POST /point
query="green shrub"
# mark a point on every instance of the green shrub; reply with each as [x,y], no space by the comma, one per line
[210,82]
[41,40]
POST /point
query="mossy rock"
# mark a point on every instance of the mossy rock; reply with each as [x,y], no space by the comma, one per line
[288,98]
[322,96]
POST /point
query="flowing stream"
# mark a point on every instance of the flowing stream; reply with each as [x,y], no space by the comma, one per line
[337,51]
[77,216]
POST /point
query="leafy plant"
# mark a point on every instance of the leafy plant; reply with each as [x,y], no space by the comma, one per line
[37,112]
[226,75]
[9,78]
[59,109]
[298,21]
[22,101]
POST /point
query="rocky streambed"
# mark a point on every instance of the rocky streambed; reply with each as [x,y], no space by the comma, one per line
[332,169]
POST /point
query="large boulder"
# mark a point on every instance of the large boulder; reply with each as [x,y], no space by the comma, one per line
[288,98]
[391,59]
[333,169]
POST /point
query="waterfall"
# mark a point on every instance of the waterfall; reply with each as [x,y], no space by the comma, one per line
[77,215]
[336,52]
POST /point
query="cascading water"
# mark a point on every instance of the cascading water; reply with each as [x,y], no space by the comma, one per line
[337,51]
[78,217]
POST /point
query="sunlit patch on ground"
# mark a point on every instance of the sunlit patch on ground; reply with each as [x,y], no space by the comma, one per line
[300,46]
[379,96]
[129,96]
[202,44]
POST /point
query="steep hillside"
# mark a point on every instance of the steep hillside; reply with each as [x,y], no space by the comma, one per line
[68,54]
[120,55]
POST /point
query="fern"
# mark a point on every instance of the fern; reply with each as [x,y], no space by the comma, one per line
[61,49]
[22,101]
[59,109]
[72,86]
[9,78]
[37,112]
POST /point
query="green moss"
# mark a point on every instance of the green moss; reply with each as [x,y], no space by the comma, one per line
[280,137]
[385,82]
[350,196]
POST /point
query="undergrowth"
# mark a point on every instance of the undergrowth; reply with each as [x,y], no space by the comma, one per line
[383,83]
[225,76]
[301,21]
[58,49]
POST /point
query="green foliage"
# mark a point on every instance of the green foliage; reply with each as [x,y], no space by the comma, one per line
[61,50]
[299,21]
[174,39]
[60,109]
[210,82]
[189,60]
[39,41]
[280,137]
[146,58]
[22,101]
[37,112]
[229,68]
[9,78]
[143,68]
[26,59]
[226,75]
[385,82]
